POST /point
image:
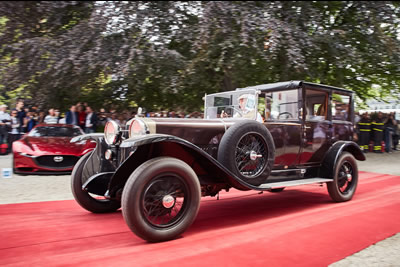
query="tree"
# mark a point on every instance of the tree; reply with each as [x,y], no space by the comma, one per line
[166,54]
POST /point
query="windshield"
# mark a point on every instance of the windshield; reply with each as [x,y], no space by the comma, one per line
[232,104]
[55,131]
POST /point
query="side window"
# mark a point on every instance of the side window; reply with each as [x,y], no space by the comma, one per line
[261,106]
[340,107]
[282,105]
[316,105]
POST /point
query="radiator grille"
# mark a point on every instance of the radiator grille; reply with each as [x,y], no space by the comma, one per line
[55,162]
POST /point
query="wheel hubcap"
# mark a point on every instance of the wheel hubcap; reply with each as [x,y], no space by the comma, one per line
[168,201]
[254,155]
[345,179]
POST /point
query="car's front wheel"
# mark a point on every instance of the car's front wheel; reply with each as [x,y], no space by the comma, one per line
[161,199]
[345,178]
[85,200]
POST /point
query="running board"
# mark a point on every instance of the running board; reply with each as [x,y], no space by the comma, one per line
[272,185]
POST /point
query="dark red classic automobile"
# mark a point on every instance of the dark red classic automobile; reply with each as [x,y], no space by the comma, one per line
[47,149]
[263,138]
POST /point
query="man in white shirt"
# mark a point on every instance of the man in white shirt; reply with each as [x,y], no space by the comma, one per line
[5,123]
[51,118]
[247,109]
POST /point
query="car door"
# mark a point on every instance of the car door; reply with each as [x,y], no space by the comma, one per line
[317,126]
[283,121]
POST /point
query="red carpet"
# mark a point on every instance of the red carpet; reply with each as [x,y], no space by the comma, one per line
[299,227]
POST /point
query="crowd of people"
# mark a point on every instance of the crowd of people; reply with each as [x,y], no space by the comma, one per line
[21,119]
[376,129]
[371,129]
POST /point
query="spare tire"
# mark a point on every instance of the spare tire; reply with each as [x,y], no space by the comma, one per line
[247,149]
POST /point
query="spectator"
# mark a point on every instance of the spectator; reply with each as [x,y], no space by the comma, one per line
[81,116]
[72,116]
[182,115]
[396,136]
[14,134]
[29,122]
[101,120]
[121,119]
[51,118]
[20,114]
[390,126]
[114,118]
[5,123]
[377,129]
[41,117]
[364,130]
[58,115]
[91,120]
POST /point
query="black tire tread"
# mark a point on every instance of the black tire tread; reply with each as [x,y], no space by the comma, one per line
[131,196]
[228,144]
[83,198]
[332,187]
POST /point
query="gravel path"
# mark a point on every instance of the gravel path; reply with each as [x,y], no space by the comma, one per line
[19,189]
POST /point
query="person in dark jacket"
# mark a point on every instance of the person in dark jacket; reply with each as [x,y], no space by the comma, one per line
[91,120]
[364,129]
[377,128]
[72,117]
[390,127]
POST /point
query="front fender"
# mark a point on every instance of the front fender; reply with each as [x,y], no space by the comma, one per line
[207,168]
[332,156]
[96,163]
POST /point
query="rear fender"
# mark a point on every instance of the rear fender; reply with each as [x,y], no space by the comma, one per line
[155,145]
[332,156]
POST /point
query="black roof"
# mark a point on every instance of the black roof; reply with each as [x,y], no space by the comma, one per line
[293,85]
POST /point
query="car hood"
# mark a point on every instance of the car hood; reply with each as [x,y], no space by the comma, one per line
[196,131]
[54,145]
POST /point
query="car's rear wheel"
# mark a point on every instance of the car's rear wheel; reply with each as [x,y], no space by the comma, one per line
[247,149]
[345,178]
[161,199]
[92,203]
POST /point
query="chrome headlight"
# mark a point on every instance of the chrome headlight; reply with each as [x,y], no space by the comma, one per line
[137,127]
[111,132]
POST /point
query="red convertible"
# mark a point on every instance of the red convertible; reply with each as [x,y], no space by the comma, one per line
[47,149]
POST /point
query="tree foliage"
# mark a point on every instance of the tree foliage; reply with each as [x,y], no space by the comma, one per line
[167,55]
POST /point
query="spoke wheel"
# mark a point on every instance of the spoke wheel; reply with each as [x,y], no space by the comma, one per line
[251,155]
[164,201]
[345,178]
[248,151]
[161,199]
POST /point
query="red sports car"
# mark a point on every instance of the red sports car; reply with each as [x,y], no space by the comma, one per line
[47,148]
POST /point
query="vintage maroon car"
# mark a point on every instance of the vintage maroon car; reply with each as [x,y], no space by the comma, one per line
[263,138]
[47,149]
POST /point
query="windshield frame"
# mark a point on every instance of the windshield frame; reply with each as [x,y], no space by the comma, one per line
[234,95]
